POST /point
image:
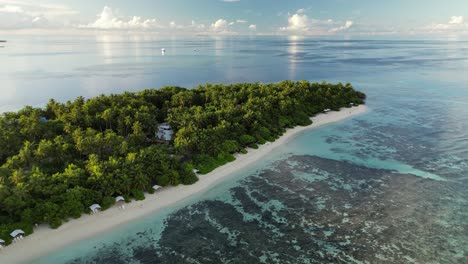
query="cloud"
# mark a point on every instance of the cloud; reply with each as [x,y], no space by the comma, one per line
[456,20]
[108,19]
[219,25]
[32,8]
[197,26]
[16,14]
[15,17]
[11,9]
[346,26]
[301,11]
[25,14]
[297,23]
[300,24]
[456,24]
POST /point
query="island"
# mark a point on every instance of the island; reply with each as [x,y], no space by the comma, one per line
[66,159]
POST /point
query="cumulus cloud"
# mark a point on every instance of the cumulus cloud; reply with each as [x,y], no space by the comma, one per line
[456,24]
[253,27]
[241,21]
[297,23]
[300,24]
[346,26]
[15,17]
[456,20]
[108,19]
[220,25]
[16,14]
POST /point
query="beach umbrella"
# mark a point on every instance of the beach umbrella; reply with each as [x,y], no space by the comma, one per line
[16,233]
[119,199]
[156,187]
[94,207]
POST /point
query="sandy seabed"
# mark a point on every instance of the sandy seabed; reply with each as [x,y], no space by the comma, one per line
[45,240]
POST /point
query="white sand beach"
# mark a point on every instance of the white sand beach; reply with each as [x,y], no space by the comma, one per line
[46,240]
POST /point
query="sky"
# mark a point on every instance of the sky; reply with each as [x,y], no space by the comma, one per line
[238,17]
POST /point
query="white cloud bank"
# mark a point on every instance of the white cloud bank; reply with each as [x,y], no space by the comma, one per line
[11,9]
[455,25]
[15,17]
[456,20]
[108,19]
[220,26]
[297,23]
[300,24]
[346,26]
[16,14]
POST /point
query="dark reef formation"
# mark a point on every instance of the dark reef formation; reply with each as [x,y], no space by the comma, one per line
[307,209]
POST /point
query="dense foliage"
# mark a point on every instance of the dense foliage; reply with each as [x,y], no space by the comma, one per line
[58,160]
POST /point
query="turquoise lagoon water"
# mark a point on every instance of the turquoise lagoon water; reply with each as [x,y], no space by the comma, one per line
[389,186]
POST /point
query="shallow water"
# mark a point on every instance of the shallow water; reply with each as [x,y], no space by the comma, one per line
[307,209]
[389,186]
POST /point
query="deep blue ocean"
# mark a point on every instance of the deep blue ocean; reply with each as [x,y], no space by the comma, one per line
[389,186]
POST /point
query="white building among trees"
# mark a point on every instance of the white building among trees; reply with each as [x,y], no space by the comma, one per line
[164,132]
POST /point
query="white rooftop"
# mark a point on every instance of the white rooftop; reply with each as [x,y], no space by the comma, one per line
[156,187]
[119,199]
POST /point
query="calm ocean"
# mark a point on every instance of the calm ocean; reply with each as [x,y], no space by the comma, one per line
[390,186]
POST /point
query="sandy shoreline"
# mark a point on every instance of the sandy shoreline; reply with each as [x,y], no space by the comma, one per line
[45,240]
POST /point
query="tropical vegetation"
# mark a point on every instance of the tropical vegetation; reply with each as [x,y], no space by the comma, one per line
[58,160]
